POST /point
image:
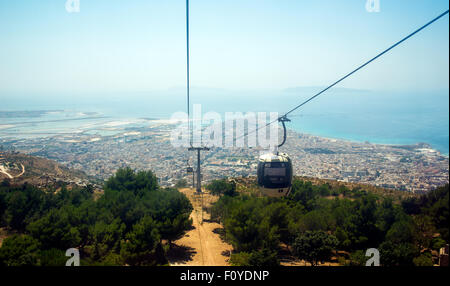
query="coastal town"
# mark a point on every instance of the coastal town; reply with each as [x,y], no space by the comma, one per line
[413,168]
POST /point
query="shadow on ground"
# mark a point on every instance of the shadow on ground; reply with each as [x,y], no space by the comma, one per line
[180,254]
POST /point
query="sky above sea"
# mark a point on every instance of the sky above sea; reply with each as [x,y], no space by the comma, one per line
[127,60]
[139,45]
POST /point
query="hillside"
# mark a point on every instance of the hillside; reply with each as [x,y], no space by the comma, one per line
[324,223]
[41,172]
[20,168]
[223,226]
[248,185]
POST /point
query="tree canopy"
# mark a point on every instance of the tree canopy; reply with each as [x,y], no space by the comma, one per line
[129,224]
[311,223]
[314,246]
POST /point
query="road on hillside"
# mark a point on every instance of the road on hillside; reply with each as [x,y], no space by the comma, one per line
[4,170]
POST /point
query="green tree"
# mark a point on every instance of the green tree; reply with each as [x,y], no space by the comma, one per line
[16,211]
[140,247]
[276,216]
[423,260]
[437,243]
[314,246]
[424,231]
[438,209]
[434,204]
[358,258]
[397,254]
[247,229]
[2,206]
[343,238]
[55,230]
[264,258]
[127,180]
[174,229]
[171,210]
[124,226]
[324,190]
[260,258]
[401,231]
[105,238]
[319,219]
[222,187]
[112,259]
[240,259]
[23,204]
[19,250]
[53,257]
[304,193]
[181,184]
[6,183]
[365,220]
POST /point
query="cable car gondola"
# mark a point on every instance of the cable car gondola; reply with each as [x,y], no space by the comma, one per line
[275,174]
[275,171]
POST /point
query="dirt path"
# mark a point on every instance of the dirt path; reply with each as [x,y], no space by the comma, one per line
[23,171]
[4,170]
[201,246]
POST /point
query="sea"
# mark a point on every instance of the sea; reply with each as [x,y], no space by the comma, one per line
[385,117]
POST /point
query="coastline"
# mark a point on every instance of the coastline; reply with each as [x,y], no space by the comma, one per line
[100,149]
[352,140]
[100,122]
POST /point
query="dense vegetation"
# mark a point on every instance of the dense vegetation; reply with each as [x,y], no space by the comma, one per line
[133,223]
[313,221]
[222,187]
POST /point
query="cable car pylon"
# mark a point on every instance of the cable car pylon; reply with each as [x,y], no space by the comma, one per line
[192,148]
[199,173]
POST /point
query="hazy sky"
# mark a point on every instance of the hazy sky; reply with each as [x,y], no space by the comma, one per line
[132,45]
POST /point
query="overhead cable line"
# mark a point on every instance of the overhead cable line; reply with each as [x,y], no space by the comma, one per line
[190,127]
[187,72]
[349,74]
